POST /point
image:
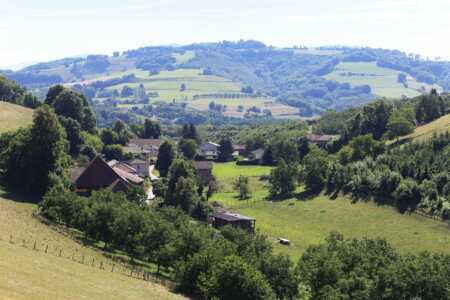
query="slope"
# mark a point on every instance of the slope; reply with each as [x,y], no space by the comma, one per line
[14,116]
[35,271]
[307,222]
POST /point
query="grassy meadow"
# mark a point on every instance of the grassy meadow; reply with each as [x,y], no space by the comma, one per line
[29,274]
[424,132]
[13,116]
[309,221]
[168,83]
[383,81]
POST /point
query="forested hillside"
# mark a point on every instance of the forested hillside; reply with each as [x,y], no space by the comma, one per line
[220,82]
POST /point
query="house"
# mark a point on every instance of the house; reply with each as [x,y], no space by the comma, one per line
[204,170]
[223,218]
[99,175]
[321,139]
[141,166]
[240,150]
[256,156]
[145,148]
[209,150]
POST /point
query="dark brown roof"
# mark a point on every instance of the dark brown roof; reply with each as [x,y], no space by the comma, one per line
[98,174]
[231,217]
[203,165]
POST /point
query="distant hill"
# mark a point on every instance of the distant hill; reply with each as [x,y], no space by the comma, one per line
[312,80]
[13,116]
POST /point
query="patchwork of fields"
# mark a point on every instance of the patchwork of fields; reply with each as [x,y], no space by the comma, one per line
[14,116]
[383,81]
[307,222]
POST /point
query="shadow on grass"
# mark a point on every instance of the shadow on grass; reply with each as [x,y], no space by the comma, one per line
[306,195]
[9,192]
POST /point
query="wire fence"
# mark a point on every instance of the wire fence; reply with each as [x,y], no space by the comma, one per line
[113,265]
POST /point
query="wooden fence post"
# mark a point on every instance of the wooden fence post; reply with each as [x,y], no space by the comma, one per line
[34,245]
[112,269]
[60,252]
[46,248]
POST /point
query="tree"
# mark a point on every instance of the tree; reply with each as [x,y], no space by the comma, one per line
[113,152]
[166,155]
[268,158]
[180,168]
[190,132]
[235,279]
[69,104]
[225,150]
[186,196]
[35,158]
[73,131]
[123,133]
[109,137]
[283,180]
[286,150]
[398,126]
[182,87]
[241,185]
[315,170]
[126,92]
[152,130]
[188,148]
[279,271]
[401,78]
[52,93]
[365,146]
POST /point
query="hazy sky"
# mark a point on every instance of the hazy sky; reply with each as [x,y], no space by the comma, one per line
[39,30]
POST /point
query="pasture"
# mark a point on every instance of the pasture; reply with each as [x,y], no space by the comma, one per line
[424,132]
[13,116]
[232,106]
[26,273]
[307,222]
[168,84]
[383,81]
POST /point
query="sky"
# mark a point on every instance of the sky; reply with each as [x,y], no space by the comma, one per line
[42,30]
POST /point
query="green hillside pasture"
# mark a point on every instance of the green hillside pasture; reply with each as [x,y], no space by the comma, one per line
[308,222]
[382,80]
[168,83]
[277,109]
[13,116]
[425,132]
[184,58]
[33,274]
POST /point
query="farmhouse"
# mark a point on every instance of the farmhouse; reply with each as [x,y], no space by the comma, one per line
[223,218]
[99,174]
[204,169]
[240,150]
[141,166]
[145,148]
[321,139]
[209,150]
[256,156]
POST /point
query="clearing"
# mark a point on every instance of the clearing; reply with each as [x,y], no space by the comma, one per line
[427,131]
[308,222]
[13,116]
[383,81]
[33,274]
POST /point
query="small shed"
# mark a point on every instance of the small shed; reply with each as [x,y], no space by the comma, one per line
[223,218]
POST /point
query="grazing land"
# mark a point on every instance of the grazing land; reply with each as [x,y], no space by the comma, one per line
[383,81]
[424,132]
[29,274]
[232,106]
[168,84]
[307,222]
[13,116]
[184,58]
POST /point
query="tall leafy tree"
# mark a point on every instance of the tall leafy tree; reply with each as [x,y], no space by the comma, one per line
[166,156]
[283,179]
[225,150]
[152,130]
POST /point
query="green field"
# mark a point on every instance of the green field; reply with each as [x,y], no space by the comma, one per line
[383,81]
[168,83]
[277,108]
[26,273]
[184,58]
[14,116]
[307,222]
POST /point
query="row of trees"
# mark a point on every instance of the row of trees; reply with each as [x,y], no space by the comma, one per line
[231,264]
